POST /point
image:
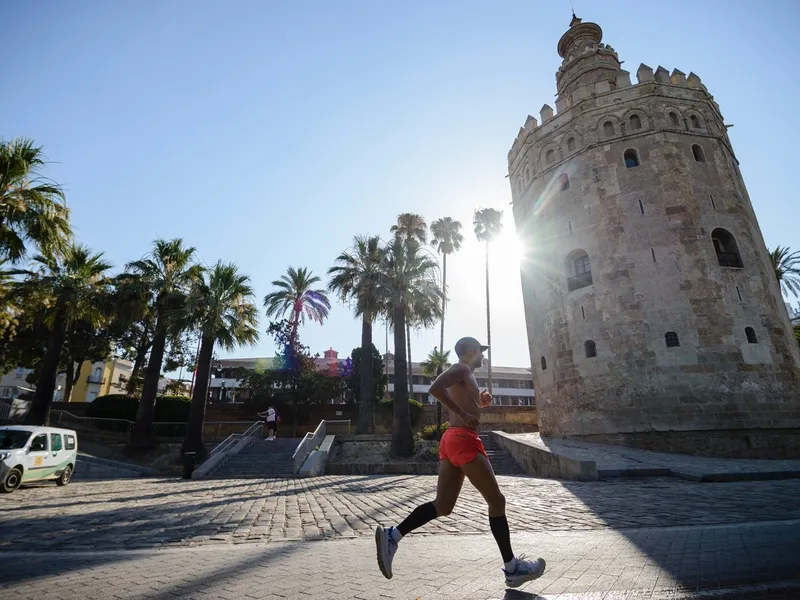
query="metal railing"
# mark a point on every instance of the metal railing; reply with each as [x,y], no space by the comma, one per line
[256,428]
[5,411]
[62,418]
[341,427]
[579,281]
[309,443]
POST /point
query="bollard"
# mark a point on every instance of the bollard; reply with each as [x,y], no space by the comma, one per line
[188,464]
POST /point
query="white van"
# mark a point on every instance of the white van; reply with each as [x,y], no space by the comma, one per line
[30,453]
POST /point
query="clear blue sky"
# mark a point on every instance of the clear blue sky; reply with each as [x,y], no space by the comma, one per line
[268,133]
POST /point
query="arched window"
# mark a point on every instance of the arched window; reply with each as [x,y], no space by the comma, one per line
[550,156]
[579,270]
[563,182]
[697,151]
[544,364]
[694,122]
[608,128]
[631,158]
[726,248]
[671,338]
[571,144]
[751,335]
[590,348]
[673,117]
[97,375]
[636,122]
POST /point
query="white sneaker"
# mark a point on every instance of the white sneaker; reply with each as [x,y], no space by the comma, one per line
[527,570]
[269,439]
[386,548]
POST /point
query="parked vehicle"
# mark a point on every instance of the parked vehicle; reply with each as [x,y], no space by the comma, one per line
[31,453]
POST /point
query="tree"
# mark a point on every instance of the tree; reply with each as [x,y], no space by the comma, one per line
[32,208]
[75,287]
[355,278]
[488,224]
[168,272]
[787,269]
[378,379]
[133,326]
[436,362]
[446,240]
[296,296]
[408,271]
[410,226]
[84,341]
[221,307]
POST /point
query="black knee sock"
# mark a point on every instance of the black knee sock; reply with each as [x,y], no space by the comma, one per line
[418,517]
[499,527]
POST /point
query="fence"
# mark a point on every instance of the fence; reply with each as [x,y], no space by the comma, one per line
[340,427]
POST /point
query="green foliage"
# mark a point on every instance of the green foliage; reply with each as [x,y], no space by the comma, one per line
[414,408]
[429,431]
[379,378]
[169,409]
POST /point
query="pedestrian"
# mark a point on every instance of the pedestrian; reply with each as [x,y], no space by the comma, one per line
[270,415]
[461,453]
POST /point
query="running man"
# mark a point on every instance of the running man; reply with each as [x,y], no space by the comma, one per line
[461,453]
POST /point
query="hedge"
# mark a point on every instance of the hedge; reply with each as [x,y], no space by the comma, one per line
[169,409]
[415,408]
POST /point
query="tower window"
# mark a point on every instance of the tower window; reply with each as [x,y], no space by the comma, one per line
[726,249]
[697,151]
[631,158]
[571,144]
[550,156]
[563,182]
[671,338]
[694,122]
[636,122]
[673,117]
[590,348]
[544,364]
[608,128]
[751,335]
[579,270]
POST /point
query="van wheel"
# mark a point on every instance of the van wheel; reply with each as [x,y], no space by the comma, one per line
[11,482]
[65,476]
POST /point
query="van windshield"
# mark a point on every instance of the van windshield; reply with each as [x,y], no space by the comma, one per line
[13,439]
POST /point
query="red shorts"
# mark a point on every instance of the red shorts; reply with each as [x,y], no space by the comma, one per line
[460,446]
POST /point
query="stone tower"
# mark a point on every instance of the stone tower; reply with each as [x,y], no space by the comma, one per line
[653,314]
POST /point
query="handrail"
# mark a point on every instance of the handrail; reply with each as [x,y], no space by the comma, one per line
[235,437]
[308,444]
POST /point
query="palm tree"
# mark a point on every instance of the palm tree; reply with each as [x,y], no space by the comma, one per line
[787,269]
[356,278]
[221,306]
[168,272]
[488,224]
[296,296]
[410,226]
[446,240]
[74,287]
[408,272]
[32,208]
[436,362]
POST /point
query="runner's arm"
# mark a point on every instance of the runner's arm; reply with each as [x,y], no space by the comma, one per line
[455,374]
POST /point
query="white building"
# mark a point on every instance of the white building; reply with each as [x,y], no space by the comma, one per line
[511,386]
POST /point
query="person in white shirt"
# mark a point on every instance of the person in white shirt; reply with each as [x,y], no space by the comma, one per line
[270,415]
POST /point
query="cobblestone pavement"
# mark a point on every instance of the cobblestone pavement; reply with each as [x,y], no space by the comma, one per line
[673,563]
[147,513]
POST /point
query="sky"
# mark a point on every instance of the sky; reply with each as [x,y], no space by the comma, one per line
[270,133]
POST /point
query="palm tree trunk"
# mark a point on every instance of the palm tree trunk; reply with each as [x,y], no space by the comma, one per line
[441,342]
[410,364]
[488,324]
[71,378]
[141,436]
[402,438]
[366,397]
[197,414]
[39,414]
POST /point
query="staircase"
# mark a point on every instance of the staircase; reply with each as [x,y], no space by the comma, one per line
[502,462]
[260,459]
